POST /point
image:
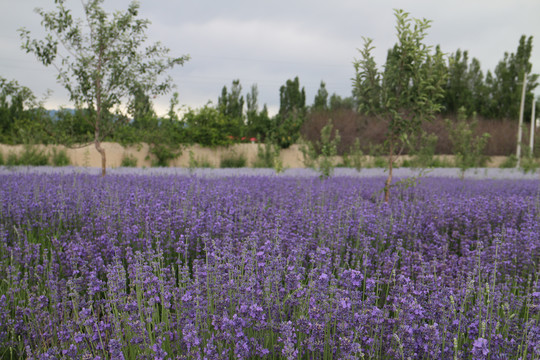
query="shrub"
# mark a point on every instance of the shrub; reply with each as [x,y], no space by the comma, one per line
[355,157]
[30,156]
[320,155]
[163,154]
[379,162]
[12,159]
[60,157]
[529,164]
[268,156]
[509,162]
[424,154]
[129,160]
[233,160]
[468,147]
[201,162]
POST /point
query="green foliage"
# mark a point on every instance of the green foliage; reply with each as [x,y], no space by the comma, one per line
[1,159]
[379,162]
[21,116]
[202,162]
[465,86]
[128,160]
[355,157]
[59,157]
[320,103]
[30,156]
[529,164]
[292,112]
[424,152]
[73,127]
[468,147]
[506,85]
[320,155]
[231,105]
[367,87]
[206,126]
[328,148]
[163,154]
[259,124]
[12,159]
[409,90]
[101,60]
[309,154]
[268,156]
[509,163]
[233,160]
[338,103]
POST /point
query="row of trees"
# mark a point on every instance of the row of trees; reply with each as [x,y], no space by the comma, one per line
[238,115]
[104,62]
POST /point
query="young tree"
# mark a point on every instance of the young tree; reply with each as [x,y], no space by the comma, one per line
[367,83]
[410,87]
[101,60]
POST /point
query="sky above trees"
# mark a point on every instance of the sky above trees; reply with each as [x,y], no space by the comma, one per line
[267,43]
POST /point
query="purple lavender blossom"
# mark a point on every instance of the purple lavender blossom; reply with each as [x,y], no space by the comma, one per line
[168,265]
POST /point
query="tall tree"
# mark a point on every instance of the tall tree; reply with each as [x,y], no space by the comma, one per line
[231,105]
[411,85]
[458,93]
[339,103]
[141,109]
[478,89]
[101,60]
[507,82]
[321,98]
[292,112]
[258,122]
[14,101]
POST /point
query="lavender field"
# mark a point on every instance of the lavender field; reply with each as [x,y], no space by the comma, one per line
[186,266]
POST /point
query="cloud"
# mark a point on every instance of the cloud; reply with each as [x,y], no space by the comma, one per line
[268,42]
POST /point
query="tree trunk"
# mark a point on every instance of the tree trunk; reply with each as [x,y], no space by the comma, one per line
[101,151]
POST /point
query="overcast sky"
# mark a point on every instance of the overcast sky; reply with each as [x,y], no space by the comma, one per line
[268,42]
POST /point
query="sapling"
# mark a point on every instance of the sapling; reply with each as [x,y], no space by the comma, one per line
[468,147]
[407,92]
[320,155]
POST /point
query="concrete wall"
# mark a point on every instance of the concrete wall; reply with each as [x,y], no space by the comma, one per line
[89,157]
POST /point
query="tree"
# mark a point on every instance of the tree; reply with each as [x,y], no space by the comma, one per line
[231,105]
[101,60]
[22,117]
[321,98]
[339,103]
[292,112]
[367,83]
[468,147]
[258,123]
[411,86]
[506,84]
[457,90]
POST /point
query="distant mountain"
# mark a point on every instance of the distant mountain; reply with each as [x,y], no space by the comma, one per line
[54,113]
